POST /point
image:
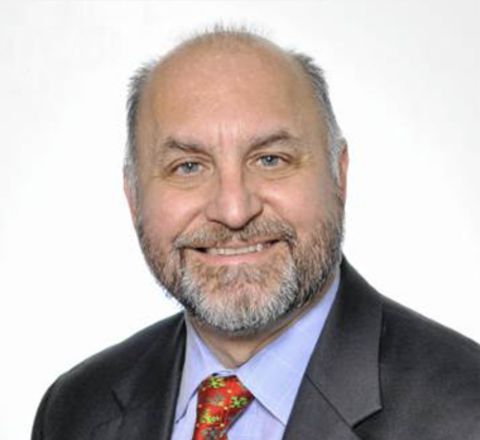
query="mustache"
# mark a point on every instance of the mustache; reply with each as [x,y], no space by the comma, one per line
[216,235]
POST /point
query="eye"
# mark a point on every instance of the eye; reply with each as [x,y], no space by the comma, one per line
[187,168]
[269,160]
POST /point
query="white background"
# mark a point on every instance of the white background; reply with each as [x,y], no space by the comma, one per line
[404,82]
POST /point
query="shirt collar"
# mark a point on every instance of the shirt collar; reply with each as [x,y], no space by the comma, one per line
[199,364]
[274,374]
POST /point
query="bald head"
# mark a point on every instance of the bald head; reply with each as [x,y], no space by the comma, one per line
[220,66]
[216,57]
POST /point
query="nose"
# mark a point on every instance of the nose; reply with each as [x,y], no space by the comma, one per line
[233,202]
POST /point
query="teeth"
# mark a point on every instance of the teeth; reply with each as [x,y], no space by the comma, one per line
[235,251]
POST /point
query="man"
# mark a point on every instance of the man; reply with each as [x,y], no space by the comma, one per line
[236,178]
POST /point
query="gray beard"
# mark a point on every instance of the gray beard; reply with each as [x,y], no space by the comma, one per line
[245,300]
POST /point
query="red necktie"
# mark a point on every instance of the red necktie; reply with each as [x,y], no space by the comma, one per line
[221,400]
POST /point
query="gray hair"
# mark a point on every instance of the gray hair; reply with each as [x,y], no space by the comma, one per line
[314,73]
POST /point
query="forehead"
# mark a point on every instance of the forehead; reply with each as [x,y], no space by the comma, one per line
[228,89]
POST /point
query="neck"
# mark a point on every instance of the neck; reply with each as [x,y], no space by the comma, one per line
[234,351]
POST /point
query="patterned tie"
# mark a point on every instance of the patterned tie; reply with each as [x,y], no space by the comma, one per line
[221,400]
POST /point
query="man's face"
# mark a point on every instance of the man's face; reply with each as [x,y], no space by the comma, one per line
[237,214]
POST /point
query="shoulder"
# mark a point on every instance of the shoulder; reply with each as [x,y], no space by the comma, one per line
[84,393]
[109,365]
[414,340]
[429,373]
[405,335]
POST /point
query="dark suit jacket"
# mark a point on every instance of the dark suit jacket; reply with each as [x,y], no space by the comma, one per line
[379,371]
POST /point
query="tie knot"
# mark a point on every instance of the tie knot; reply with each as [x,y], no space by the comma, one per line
[221,401]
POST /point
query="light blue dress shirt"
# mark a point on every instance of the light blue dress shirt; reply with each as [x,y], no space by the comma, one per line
[273,375]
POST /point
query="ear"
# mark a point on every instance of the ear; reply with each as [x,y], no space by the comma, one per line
[343,162]
[131,199]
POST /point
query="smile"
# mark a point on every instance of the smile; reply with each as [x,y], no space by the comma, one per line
[237,251]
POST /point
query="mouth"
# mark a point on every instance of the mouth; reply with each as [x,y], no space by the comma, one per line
[236,249]
[242,251]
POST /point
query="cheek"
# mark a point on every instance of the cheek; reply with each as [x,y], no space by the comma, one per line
[167,213]
[302,202]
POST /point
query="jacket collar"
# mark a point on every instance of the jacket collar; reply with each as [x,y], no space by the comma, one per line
[342,385]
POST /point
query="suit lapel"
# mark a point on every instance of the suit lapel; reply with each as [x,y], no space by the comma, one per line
[341,386]
[148,394]
[315,418]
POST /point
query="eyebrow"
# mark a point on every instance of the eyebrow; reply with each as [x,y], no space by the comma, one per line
[188,147]
[282,136]
[254,143]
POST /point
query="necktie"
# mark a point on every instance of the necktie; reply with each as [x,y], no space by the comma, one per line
[221,400]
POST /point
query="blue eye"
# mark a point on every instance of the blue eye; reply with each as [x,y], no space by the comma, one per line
[188,168]
[269,160]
